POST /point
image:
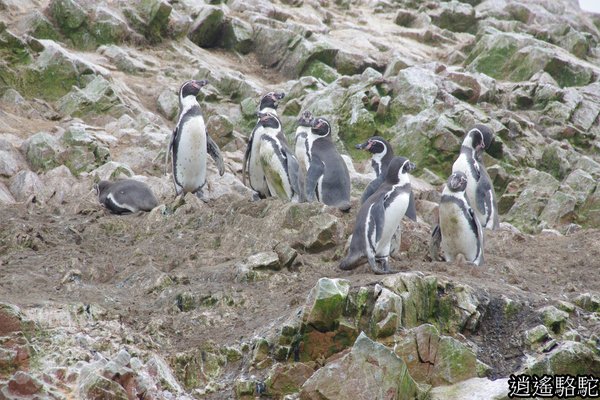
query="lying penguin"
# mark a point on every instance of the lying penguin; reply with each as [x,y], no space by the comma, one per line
[125,196]
[379,218]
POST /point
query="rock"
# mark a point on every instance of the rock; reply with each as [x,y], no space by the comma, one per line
[108,27]
[266,260]
[97,98]
[325,303]
[60,186]
[417,294]
[220,129]
[536,335]
[387,313]
[68,14]
[539,188]
[435,359]
[55,71]
[322,232]
[112,171]
[554,318]
[414,91]
[287,378]
[581,183]
[207,27]
[237,35]
[151,18]
[455,16]
[168,104]
[42,151]
[376,373]
[473,389]
[11,160]
[296,60]
[589,302]
[560,209]
[39,27]
[321,71]
[25,184]
[123,60]
[5,196]
[517,57]
[23,384]
[94,386]
[286,254]
[11,319]
[568,358]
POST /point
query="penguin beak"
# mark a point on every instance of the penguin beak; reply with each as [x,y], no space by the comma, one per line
[363,146]
[317,123]
[199,84]
[278,96]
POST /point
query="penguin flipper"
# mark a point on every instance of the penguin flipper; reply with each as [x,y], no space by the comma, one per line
[247,158]
[293,171]
[411,211]
[486,199]
[370,189]
[215,153]
[478,230]
[315,171]
[435,244]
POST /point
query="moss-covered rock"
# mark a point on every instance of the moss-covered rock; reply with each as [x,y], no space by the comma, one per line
[325,304]
[237,35]
[414,91]
[379,371]
[554,319]
[206,29]
[42,150]
[321,70]
[455,16]
[568,358]
[97,98]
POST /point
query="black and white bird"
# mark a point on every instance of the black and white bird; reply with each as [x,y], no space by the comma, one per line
[251,166]
[381,155]
[327,176]
[190,143]
[459,230]
[125,196]
[480,190]
[277,161]
[301,150]
[379,218]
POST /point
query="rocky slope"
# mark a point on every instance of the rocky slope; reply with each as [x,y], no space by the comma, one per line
[237,299]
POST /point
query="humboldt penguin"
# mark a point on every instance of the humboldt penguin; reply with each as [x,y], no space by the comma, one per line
[125,196]
[190,143]
[459,230]
[301,150]
[379,218]
[251,166]
[382,154]
[327,177]
[480,190]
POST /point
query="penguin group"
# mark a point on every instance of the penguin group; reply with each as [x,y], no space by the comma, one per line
[313,170]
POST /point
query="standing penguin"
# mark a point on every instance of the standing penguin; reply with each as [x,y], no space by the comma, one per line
[327,176]
[301,150]
[459,230]
[190,143]
[278,163]
[480,191]
[251,163]
[379,218]
[125,196]
[382,154]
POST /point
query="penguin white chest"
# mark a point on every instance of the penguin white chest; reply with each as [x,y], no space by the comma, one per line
[272,164]
[457,232]
[463,165]
[190,163]
[392,218]
[255,170]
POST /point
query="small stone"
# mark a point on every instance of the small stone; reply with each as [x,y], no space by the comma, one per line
[265,260]
[536,335]
[220,129]
[26,184]
[286,254]
[23,384]
[168,104]
[554,318]
[589,302]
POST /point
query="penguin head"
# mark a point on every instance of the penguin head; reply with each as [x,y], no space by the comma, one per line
[101,186]
[375,145]
[320,127]
[271,100]
[268,120]
[399,166]
[191,88]
[479,138]
[457,182]
[305,119]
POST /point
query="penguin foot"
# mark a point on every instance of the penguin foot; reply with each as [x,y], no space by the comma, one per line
[200,194]
[381,266]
